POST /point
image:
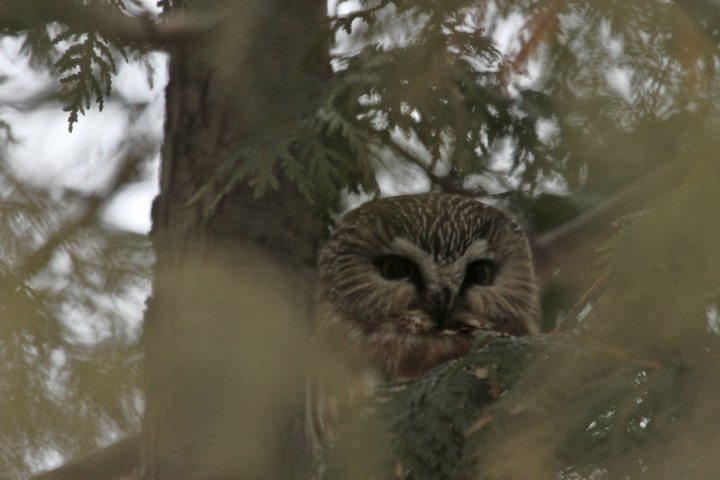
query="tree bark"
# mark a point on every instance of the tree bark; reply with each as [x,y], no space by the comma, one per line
[224,333]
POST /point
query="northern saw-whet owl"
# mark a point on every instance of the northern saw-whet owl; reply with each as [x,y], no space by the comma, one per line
[403,284]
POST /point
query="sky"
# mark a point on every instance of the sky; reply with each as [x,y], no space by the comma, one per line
[47,155]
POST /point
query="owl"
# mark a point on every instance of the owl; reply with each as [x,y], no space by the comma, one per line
[403,284]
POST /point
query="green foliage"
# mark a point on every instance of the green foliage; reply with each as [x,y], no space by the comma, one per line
[69,348]
[440,86]
[426,85]
[435,427]
[427,88]
[67,388]
[86,68]
[630,391]
[39,47]
[583,99]
[320,158]
[627,389]
[543,407]
[83,62]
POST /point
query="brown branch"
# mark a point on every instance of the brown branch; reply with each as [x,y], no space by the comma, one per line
[573,317]
[625,357]
[19,15]
[565,250]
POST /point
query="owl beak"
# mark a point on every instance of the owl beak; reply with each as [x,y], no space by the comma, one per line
[439,306]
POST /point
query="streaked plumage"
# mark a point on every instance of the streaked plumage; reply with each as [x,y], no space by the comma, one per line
[403,284]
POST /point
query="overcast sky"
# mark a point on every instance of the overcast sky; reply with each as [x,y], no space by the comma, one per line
[47,154]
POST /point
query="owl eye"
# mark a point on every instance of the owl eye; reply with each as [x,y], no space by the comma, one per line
[396,267]
[480,272]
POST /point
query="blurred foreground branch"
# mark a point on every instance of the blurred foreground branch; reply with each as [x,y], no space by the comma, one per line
[19,15]
[558,252]
[562,252]
[119,460]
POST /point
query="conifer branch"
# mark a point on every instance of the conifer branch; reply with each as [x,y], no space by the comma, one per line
[446,183]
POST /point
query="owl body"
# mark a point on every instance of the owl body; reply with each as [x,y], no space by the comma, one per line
[405,281]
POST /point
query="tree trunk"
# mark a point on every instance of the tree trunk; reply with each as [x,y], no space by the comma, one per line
[225,329]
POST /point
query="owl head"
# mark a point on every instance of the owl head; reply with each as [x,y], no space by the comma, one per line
[406,280]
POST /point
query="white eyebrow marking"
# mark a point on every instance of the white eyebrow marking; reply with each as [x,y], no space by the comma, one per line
[434,272]
[425,261]
[406,247]
[477,250]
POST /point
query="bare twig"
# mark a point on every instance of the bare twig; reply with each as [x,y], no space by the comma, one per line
[87,212]
[446,183]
